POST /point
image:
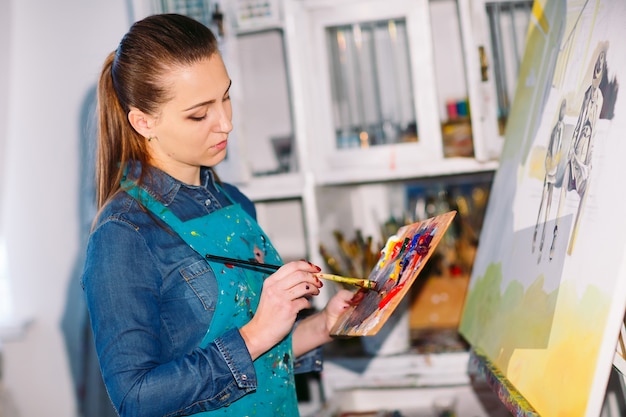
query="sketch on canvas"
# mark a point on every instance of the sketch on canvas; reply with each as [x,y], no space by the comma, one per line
[401,260]
[547,294]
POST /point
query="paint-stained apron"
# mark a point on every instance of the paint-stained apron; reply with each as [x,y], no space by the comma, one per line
[231,232]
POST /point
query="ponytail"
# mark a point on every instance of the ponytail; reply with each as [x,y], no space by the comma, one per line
[118,142]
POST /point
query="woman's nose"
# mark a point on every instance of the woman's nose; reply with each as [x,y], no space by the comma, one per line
[226,118]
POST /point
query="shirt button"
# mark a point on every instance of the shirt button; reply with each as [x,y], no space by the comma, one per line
[244,377]
[207,202]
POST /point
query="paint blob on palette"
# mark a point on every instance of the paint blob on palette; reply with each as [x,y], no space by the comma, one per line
[399,264]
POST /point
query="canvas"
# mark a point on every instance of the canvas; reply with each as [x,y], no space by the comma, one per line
[547,294]
[401,260]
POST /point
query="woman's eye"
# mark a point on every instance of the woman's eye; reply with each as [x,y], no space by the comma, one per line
[226,98]
[197,118]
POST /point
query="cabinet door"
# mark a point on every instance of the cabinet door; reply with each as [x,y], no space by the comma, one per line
[369,96]
[265,121]
[376,88]
[495,38]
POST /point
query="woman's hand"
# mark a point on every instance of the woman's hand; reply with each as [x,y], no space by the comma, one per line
[284,294]
[336,306]
[314,330]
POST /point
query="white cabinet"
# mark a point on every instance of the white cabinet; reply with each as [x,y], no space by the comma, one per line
[373,89]
[361,67]
[368,74]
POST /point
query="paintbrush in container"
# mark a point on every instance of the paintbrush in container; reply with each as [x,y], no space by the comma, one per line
[358,282]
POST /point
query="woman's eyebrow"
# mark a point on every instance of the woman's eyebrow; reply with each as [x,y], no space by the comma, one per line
[204,103]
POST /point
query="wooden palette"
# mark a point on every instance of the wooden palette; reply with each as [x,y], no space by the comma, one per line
[399,264]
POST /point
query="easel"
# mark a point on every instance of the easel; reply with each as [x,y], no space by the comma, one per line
[615,399]
[505,391]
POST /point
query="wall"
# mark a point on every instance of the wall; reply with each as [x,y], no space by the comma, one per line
[5,31]
[54,52]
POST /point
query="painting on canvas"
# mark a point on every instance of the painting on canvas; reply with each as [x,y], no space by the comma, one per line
[401,260]
[547,294]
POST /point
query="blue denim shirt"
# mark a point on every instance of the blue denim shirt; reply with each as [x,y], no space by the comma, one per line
[151,298]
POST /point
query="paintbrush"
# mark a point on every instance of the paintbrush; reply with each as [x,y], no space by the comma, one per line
[359,282]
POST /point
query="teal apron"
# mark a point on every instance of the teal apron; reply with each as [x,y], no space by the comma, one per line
[231,232]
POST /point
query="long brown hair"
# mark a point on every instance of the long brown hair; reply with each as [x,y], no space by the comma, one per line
[132,77]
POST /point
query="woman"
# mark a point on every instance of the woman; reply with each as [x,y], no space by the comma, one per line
[178,334]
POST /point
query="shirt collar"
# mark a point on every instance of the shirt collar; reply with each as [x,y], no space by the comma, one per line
[162,186]
[207,178]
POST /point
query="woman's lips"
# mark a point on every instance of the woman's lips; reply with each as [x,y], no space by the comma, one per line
[221,145]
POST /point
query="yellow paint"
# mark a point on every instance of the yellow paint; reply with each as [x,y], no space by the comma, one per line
[514,330]
[540,16]
[387,251]
[396,272]
[194,233]
[536,168]
[573,351]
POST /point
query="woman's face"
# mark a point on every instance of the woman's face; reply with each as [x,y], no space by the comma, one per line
[191,130]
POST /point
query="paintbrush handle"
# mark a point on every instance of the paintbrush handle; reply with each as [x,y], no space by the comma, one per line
[359,282]
[233,261]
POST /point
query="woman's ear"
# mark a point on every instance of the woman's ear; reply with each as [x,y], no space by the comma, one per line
[141,122]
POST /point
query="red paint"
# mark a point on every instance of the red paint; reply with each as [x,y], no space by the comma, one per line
[231,266]
[414,260]
[390,295]
[357,298]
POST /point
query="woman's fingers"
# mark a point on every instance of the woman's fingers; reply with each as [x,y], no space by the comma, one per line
[297,278]
[285,293]
[296,266]
[337,305]
[304,289]
[302,303]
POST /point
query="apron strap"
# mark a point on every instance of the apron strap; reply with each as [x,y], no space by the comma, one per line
[159,209]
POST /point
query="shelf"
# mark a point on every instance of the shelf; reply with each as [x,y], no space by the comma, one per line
[274,187]
[291,185]
[407,370]
[409,402]
[441,167]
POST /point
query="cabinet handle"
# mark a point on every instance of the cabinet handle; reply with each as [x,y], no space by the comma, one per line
[484,66]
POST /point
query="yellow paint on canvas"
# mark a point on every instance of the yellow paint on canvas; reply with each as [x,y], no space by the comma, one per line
[540,17]
[569,362]
[538,339]
[537,163]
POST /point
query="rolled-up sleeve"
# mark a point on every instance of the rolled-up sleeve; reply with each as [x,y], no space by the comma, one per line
[311,361]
